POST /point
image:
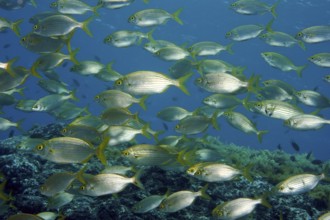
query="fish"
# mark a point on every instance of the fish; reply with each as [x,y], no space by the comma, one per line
[13,25]
[5,124]
[118,116]
[153,17]
[173,113]
[217,172]
[68,111]
[126,38]
[90,121]
[195,124]
[321,59]
[312,98]
[182,199]
[212,66]
[148,155]
[295,146]
[241,122]
[122,170]
[172,53]
[104,184]
[253,7]
[60,199]
[274,92]
[298,184]
[281,84]
[108,74]
[222,101]
[280,39]
[305,122]
[325,216]
[149,203]
[24,216]
[237,208]
[73,7]
[49,61]
[115,4]
[25,105]
[149,82]
[59,25]
[154,45]
[225,83]
[67,150]
[314,34]
[281,62]
[245,32]
[206,48]
[8,66]
[87,67]
[273,108]
[86,133]
[51,102]
[27,144]
[118,99]
[48,215]
[121,133]
[56,183]
[54,86]
[41,44]
[181,68]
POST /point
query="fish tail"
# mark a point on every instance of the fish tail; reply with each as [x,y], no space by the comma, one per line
[246,172]
[85,26]
[72,95]
[299,70]
[100,150]
[273,9]
[95,8]
[203,193]
[15,26]
[136,179]
[9,66]
[34,70]
[145,129]
[156,135]
[19,125]
[67,40]
[176,14]
[33,3]
[269,25]
[181,82]
[229,48]
[214,120]
[146,1]
[142,102]
[149,35]
[264,201]
[260,135]
[253,84]
[301,44]
[73,56]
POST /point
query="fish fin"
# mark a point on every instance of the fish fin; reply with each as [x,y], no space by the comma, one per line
[142,100]
[100,150]
[145,131]
[73,56]
[34,70]
[15,26]
[269,25]
[149,35]
[181,82]
[214,120]
[229,48]
[73,95]
[67,40]
[273,9]
[204,195]
[146,1]
[9,68]
[157,134]
[136,179]
[33,3]
[253,84]
[301,44]
[260,135]
[85,24]
[95,8]
[246,172]
[264,200]
[176,14]
[299,70]
[19,125]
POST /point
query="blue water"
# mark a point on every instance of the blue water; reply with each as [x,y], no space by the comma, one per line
[206,20]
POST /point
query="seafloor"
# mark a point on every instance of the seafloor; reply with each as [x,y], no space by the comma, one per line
[26,172]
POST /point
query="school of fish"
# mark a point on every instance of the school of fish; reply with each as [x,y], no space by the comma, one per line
[88,135]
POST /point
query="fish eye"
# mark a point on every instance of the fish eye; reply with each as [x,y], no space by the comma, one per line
[228,34]
[199,80]
[125,153]
[131,18]
[64,130]
[119,82]
[233,5]
[281,188]
[191,170]
[198,172]
[35,27]
[40,147]
[161,206]
[83,187]
[258,105]
[300,34]
[23,39]
[177,126]
[54,4]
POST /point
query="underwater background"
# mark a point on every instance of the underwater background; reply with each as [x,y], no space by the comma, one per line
[207,20]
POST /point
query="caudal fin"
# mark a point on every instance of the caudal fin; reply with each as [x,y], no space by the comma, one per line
[260,135]
[85,24]
[176,14]
[299,70]
[182,81]
[136,179]
[15,26]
